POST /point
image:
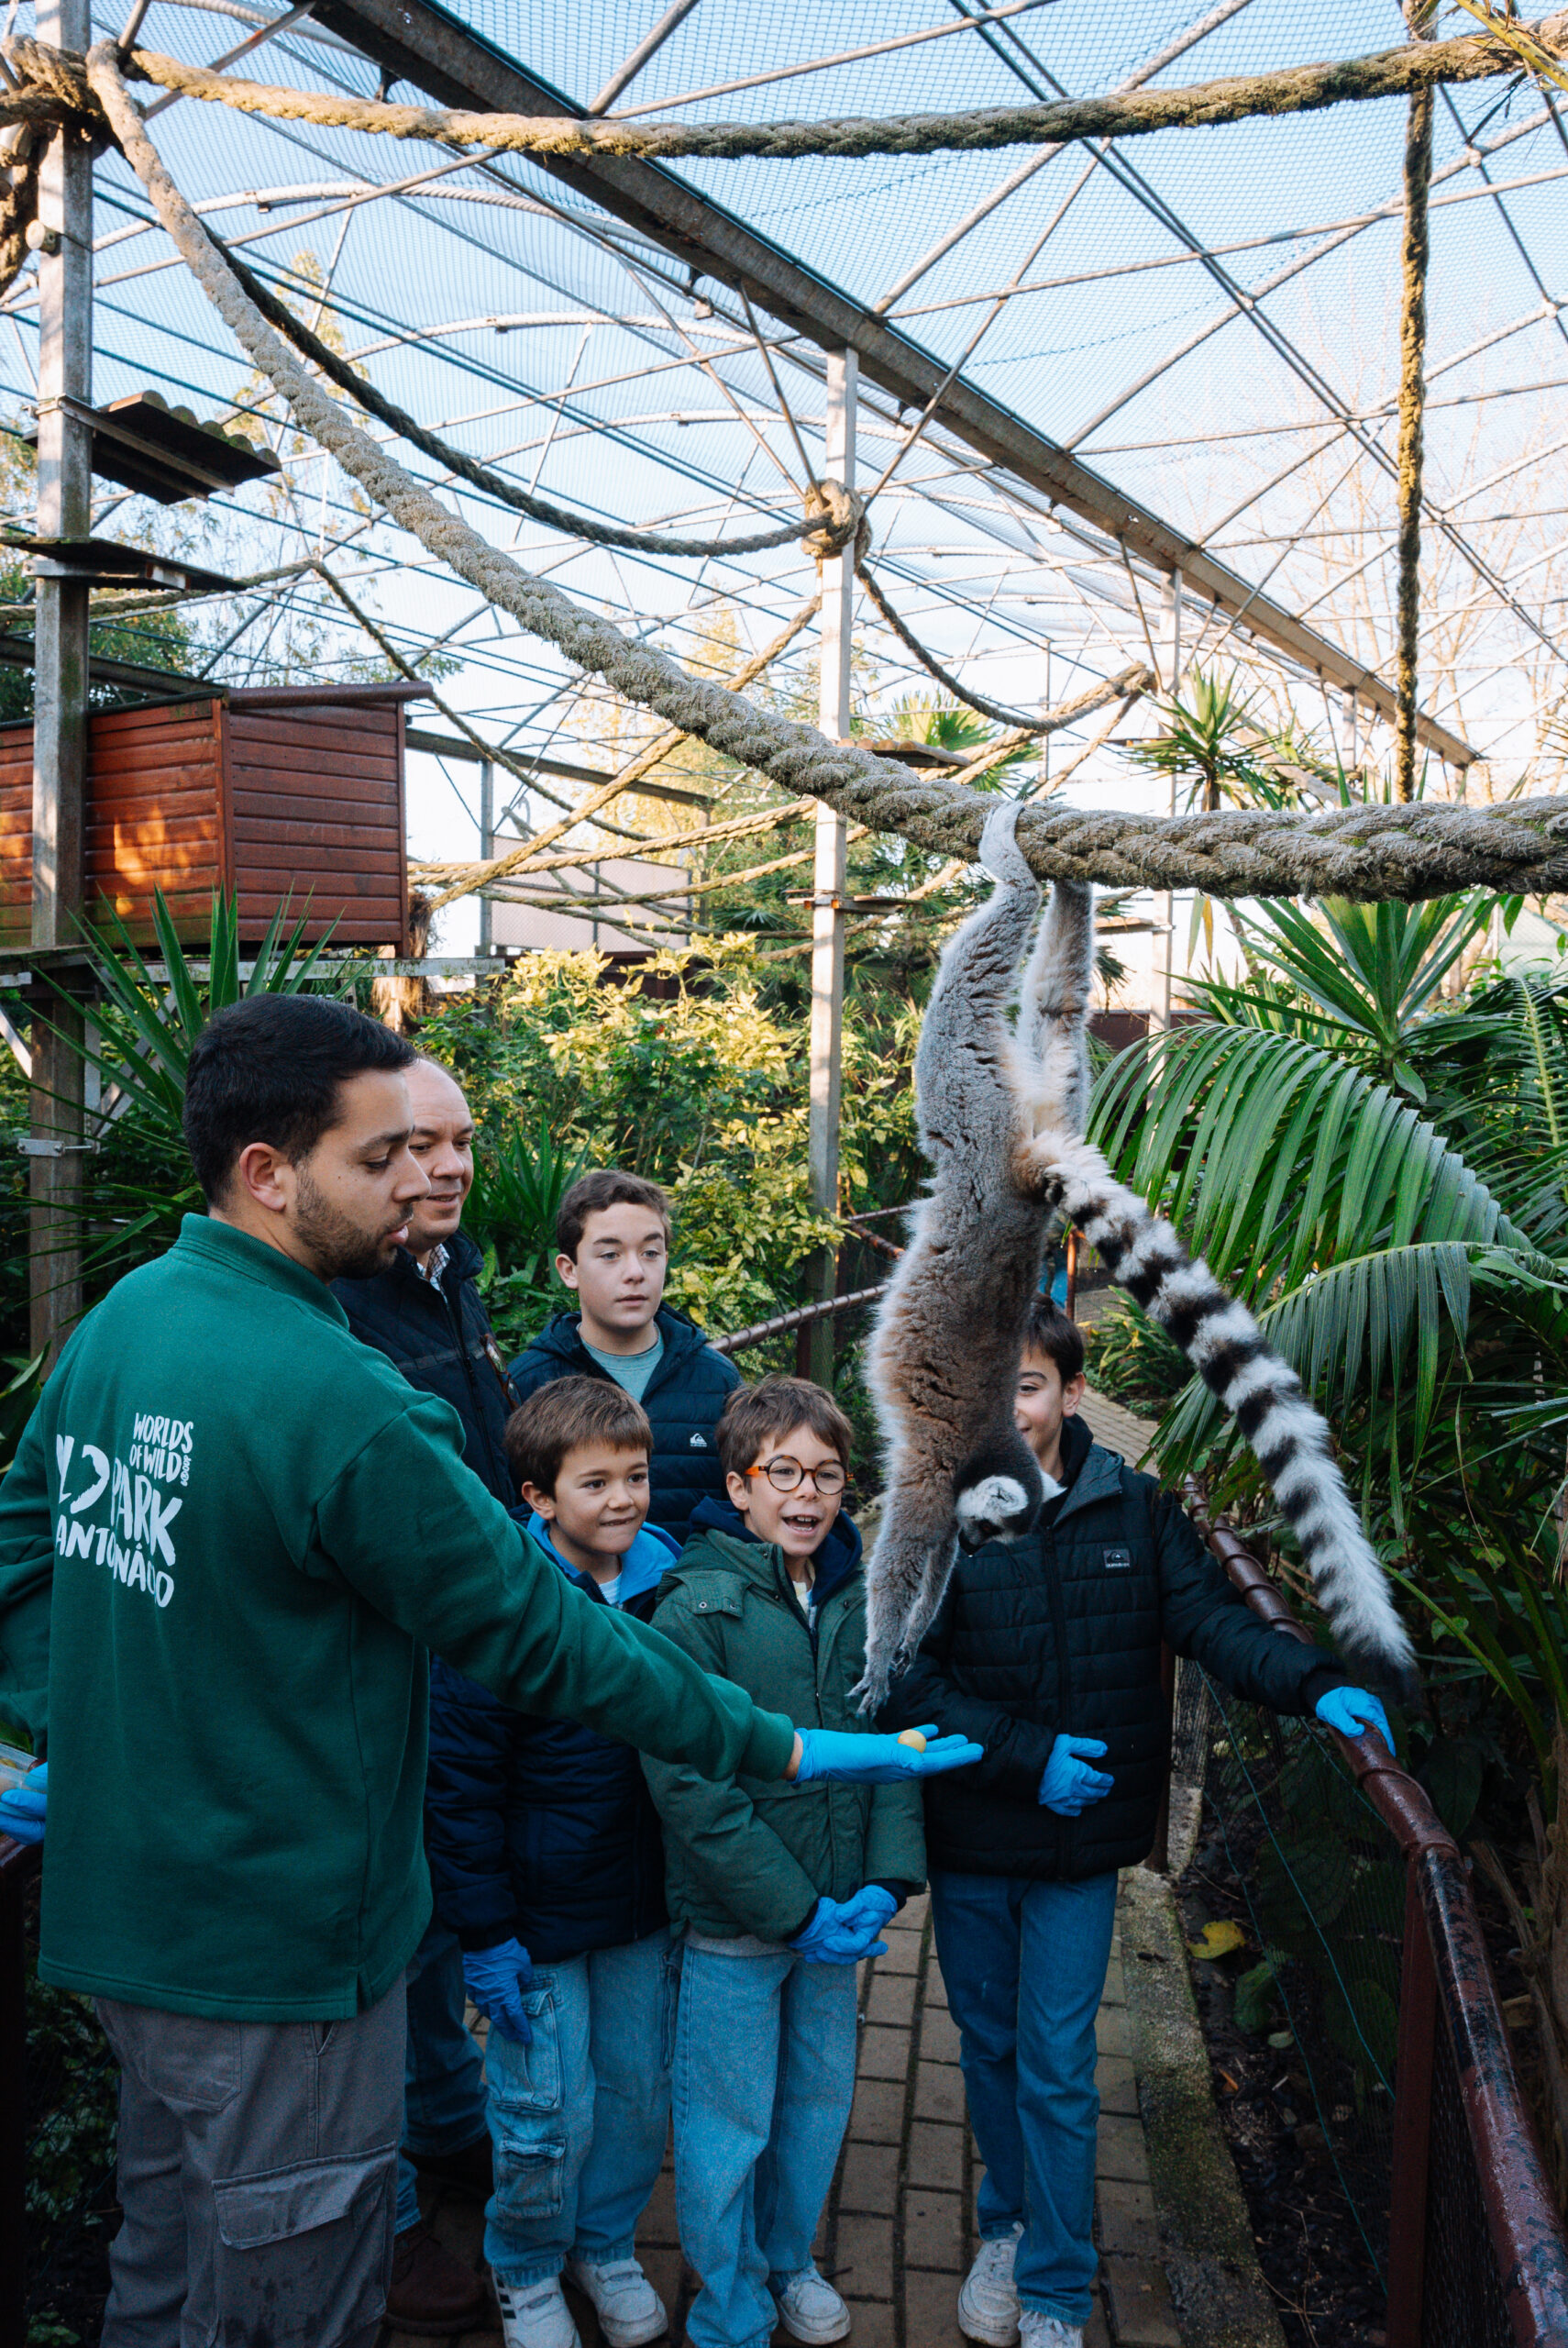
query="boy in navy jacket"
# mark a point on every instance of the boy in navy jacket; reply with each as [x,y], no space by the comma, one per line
[546,1862]
[613,1253]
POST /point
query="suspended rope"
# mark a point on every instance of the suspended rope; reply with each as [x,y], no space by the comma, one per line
[1050,721]
[627,777]
[1414,260]
[1364,852]
[832,520]
[1129,114]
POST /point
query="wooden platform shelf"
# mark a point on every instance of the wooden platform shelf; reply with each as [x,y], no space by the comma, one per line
[269,795]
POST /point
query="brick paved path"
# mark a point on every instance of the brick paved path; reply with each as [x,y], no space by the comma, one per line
[899,2232]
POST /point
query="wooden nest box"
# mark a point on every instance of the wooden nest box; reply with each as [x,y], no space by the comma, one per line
[294,795]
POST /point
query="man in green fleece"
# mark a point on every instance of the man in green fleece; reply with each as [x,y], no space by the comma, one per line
[229,1534]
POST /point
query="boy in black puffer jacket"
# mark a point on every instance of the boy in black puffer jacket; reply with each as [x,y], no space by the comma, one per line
[1047,1653]
[613,1252]
[546,1861]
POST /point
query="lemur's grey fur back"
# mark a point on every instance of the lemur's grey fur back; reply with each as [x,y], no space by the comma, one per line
[1003,1117]
[943,1363]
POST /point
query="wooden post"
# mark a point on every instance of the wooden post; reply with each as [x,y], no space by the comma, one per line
[487,844]
[828,871]
[60,722]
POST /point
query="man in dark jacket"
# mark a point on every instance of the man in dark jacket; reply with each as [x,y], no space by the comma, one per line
[424,1314]
[1047,1653]
[612,1243]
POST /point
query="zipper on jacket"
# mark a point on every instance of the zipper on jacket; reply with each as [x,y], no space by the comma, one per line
[1048,1554]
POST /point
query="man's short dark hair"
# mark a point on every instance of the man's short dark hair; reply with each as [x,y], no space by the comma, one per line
[605,1187]
[1048,1331]
[566,1413]
[269,1070]
[774,1407]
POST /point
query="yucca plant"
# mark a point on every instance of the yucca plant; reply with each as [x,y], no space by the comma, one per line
[141,1185]
[520,1180]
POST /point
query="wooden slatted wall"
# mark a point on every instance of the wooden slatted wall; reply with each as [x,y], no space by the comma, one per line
[303,803]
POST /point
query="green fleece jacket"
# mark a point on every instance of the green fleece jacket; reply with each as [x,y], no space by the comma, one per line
[230,1532]
[752,1855]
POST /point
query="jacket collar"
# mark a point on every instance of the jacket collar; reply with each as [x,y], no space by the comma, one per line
[464,1259]
[837,1559]
[644,1564]
[562,1339]
[1097,1476]
[235,1252]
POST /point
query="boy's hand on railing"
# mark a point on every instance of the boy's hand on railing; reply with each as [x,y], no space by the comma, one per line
[22,1807]
[842,1931]
[1352,1710]
[1067,1784]
[858,1760]
[496,1979]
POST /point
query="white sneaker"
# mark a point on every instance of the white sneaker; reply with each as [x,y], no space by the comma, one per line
[1037,2331]
[534,2315]
[810,2308]
[987,2304]
[629,2310]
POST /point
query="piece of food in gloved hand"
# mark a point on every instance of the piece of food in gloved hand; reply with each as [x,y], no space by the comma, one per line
[913,1736]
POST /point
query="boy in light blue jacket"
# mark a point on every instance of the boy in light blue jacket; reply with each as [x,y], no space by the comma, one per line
[548,1863]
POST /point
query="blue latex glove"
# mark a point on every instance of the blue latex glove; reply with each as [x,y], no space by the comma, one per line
[872,1908]
[1068,1784]
[880,1760]
[839,1933]
[22,1807]
[496,1978]
[1352,1709]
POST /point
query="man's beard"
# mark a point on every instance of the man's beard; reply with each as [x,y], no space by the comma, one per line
[343,1250]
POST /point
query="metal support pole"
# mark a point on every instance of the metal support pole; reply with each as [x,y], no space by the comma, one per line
[1170,680]
[487,843]
[60,720]
[828,872]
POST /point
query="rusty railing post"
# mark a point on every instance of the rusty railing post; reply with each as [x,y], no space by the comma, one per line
[1412,2123]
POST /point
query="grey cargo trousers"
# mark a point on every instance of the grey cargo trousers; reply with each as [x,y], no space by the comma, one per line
[257,2175]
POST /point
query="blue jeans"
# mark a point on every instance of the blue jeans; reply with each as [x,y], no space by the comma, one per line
[1024,1963]
[578,2118]
[764,2078]
[443,2098]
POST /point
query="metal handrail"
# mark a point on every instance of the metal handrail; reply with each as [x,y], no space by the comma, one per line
[1446,1971]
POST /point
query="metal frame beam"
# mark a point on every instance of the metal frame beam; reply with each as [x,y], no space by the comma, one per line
[414,41]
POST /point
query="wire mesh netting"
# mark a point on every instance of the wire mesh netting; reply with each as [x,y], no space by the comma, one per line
[1462,2302]
[1324,1887]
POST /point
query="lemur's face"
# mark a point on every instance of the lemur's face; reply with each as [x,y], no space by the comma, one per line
[996,1507]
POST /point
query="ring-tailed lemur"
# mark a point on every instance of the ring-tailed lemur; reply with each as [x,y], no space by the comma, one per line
[1002,1114]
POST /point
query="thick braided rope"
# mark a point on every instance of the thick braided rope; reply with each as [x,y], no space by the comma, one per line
[835,528]
[1126,115]
[1049,721]
[1364,852]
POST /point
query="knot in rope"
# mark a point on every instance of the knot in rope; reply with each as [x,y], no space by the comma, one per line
[56,77]
[847,520]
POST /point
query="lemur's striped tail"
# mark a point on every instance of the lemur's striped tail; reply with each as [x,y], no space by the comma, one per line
[1144,1254]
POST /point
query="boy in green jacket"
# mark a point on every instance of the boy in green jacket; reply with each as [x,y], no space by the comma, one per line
[780,1889]
[228,1536]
